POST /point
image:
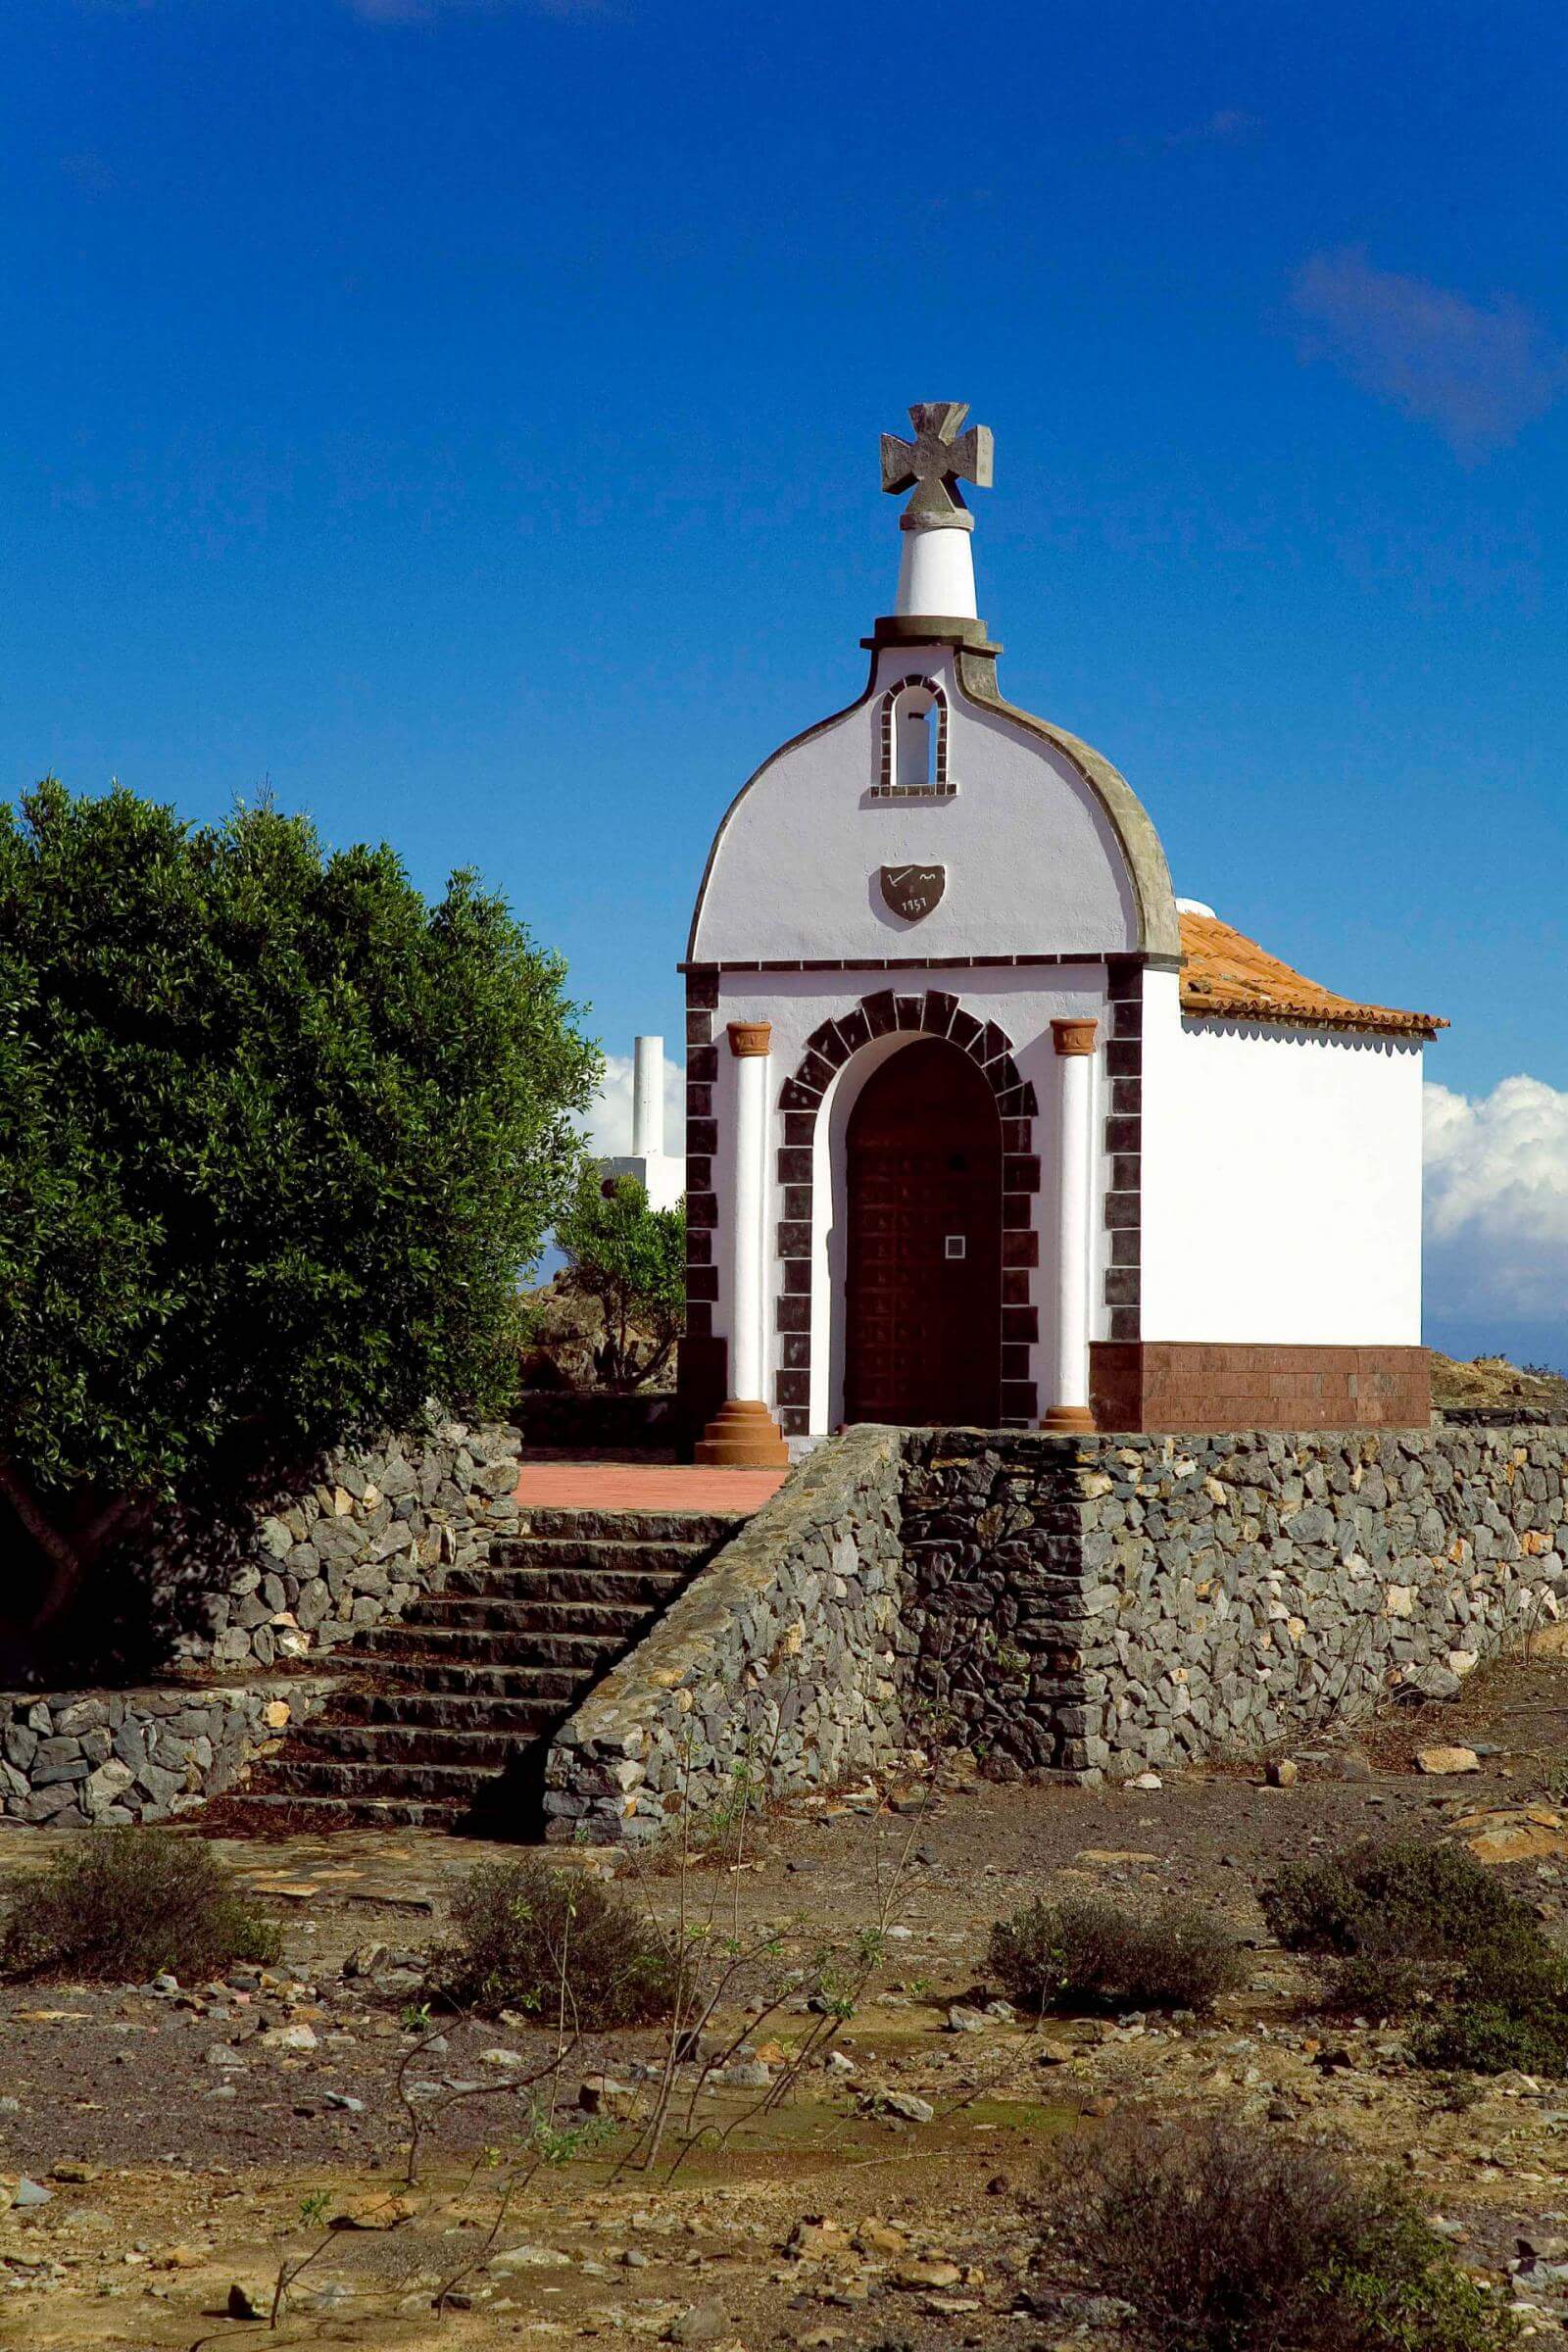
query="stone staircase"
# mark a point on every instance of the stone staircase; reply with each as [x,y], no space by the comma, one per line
[444,1717]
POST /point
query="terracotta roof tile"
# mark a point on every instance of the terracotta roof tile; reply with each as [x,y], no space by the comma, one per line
[1226,976]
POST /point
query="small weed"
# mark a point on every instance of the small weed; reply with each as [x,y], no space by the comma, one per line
[124,1904]
[1090,1953]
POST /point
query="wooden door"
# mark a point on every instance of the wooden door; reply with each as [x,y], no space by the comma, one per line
[923,1261]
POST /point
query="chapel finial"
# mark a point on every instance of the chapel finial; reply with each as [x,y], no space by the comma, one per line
[933,464]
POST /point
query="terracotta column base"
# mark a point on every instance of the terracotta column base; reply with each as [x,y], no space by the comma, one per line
[1069,1420]
[743,1436]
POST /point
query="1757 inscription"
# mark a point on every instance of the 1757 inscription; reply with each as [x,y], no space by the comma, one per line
[912,891]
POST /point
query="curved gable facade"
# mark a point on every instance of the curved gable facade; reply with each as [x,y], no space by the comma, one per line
[1031,857]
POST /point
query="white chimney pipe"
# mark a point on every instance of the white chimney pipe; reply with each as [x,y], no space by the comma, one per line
[648,1099]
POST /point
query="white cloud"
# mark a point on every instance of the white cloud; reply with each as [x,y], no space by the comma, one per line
[1477,375]
[608,1123]
[1496,1201]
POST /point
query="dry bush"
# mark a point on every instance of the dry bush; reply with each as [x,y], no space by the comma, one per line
[1403,1927]
[1090,1953]
[122,1904]
[1506,2008]
[556,1943]
[1227,2238]
[1401,1894]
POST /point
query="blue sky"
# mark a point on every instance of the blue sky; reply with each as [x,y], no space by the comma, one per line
[464,414]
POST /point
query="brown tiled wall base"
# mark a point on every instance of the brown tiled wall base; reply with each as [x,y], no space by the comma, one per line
[1204,1385]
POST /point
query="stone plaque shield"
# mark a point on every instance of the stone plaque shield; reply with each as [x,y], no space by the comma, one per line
[912,891]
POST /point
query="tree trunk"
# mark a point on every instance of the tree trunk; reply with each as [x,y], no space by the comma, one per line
[68,1538]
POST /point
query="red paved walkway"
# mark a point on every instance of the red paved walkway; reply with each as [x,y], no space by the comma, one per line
[644,1486]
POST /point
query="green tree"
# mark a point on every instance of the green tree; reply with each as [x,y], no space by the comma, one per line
[632,1259]
[277,1140]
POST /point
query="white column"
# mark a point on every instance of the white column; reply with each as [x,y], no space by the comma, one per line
[1074,1041]
[744,1434]
[648,1099]
[936,572]
[748,1043]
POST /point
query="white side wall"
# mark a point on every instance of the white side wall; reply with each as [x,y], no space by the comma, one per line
[1281,1182]
[1022,1002]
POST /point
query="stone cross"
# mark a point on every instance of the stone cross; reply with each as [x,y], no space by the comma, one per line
[933,464]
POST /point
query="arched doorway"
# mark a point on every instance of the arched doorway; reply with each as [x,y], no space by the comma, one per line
[923,1263]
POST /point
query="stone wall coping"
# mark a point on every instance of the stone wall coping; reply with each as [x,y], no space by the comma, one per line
[1089,1443]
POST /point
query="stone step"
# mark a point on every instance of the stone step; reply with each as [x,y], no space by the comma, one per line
[445,1720]
[515,1614]
[447,1711]
[370,1812]
[456,1785]
[611,1555]
[486,1750]
[651,1527]
[588,1654]
[616,1585]
[454,1670]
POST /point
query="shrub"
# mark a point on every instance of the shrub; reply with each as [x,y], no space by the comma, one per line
[1425,1901]
[529,1937]
[1507,2007]
[1092,1953]
[120,1905]
[277,1138]
[1225,2239]
[1374,1984]
[1395,1926]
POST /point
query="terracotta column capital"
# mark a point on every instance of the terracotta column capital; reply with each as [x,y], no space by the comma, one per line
[1074,1035]
[749,1039]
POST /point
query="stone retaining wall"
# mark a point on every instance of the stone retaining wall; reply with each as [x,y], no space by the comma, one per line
[780,1656]
[351,1549]
[139,1755]
[1075,1607]
[1133,1600]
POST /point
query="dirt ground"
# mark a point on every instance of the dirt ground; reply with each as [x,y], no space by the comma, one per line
[191,2140]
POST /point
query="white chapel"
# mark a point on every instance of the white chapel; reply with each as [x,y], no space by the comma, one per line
[985,1126]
